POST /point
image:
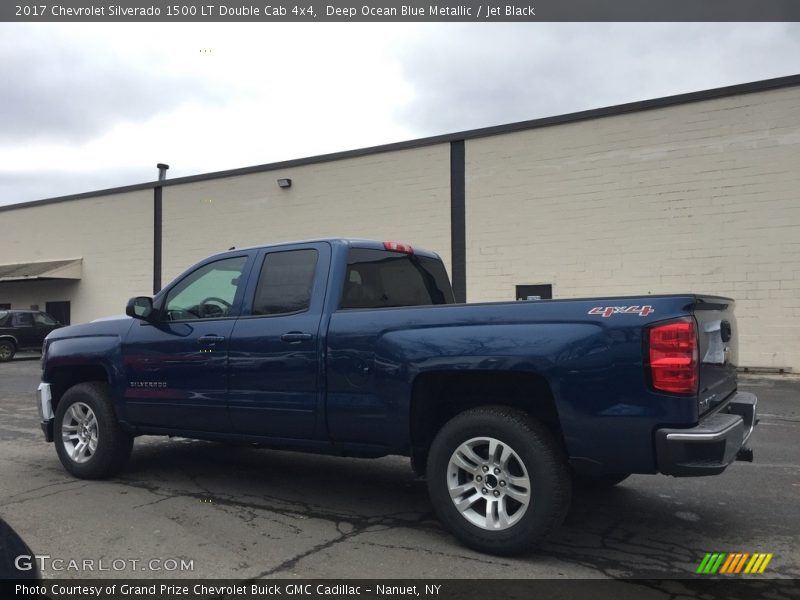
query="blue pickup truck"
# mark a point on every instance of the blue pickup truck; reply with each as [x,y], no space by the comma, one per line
[357,348]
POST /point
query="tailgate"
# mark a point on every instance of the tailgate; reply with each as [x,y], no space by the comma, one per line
[718,349]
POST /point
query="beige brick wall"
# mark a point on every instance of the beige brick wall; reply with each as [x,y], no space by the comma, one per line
[113,234]
[402,196]
[697,197]
[700,197]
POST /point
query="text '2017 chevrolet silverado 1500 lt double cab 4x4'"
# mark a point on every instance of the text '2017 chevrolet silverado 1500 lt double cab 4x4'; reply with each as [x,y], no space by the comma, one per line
[357,348]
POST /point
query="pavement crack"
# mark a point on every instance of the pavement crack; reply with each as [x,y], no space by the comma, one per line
[291,562]
[485,561]
[158,501]
[41,496]
[43,487]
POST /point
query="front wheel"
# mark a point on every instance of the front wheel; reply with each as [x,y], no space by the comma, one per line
[89,440]
[498,480]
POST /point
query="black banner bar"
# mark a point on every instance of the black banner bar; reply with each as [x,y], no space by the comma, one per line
[707,588]
[391,11]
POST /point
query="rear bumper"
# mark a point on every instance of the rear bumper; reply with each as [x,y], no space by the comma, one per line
[713,444]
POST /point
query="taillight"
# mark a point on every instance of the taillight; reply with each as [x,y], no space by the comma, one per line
[673,357]
[395,247]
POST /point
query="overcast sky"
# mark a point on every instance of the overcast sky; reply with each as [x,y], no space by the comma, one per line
[91,106]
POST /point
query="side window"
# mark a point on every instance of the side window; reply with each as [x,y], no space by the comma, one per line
[206,293]
[382,279]
[23,320]
[44,319]
[285,282]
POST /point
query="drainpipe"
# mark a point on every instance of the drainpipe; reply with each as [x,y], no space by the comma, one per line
[162,175]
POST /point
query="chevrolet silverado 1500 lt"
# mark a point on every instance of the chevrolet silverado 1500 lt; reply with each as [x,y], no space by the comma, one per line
[357,348]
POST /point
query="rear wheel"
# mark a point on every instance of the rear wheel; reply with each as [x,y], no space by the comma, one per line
[89,440]
[498,480]
[7,350]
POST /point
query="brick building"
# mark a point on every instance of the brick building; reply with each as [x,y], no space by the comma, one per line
[697,192]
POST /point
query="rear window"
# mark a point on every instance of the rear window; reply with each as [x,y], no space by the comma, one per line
[44,319]
[382,279]
[23,320]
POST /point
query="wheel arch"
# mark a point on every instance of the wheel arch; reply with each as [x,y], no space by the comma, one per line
[7,337]
[64,377]
[438,396]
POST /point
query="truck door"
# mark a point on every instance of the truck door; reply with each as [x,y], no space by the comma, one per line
[24,330]
[275,349]
[176,368]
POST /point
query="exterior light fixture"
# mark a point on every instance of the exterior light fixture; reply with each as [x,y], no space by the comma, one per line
[285,183]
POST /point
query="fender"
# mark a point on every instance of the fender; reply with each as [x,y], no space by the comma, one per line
[74,347]
[544,349]
[8,336]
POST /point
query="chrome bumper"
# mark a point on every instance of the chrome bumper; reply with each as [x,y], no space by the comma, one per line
[44,402]
[713,444]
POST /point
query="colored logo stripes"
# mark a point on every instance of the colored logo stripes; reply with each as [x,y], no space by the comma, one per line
[733,563]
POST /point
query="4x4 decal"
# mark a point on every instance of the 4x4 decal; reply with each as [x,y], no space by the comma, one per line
[607,311]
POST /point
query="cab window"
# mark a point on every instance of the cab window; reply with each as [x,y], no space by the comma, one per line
[206,293]
[285,282]
[382,279]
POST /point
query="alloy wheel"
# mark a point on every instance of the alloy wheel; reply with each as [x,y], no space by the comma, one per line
[79,432]
[488,483]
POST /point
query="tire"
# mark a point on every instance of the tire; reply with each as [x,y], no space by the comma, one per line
[598,482]
[7,350]
[74,424]
[528,455]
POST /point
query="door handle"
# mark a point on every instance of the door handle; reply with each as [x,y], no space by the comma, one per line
[295,336]
[210,340]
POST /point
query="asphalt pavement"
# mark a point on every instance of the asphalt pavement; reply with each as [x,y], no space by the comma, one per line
[202,509]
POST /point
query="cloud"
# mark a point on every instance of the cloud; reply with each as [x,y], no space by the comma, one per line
[89,106]
[474,75]
[261,93]
[52,183]
[57,89]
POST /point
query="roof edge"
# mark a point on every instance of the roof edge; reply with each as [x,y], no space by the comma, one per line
[595,113]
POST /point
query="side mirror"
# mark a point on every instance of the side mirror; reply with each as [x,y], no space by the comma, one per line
[140,307]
